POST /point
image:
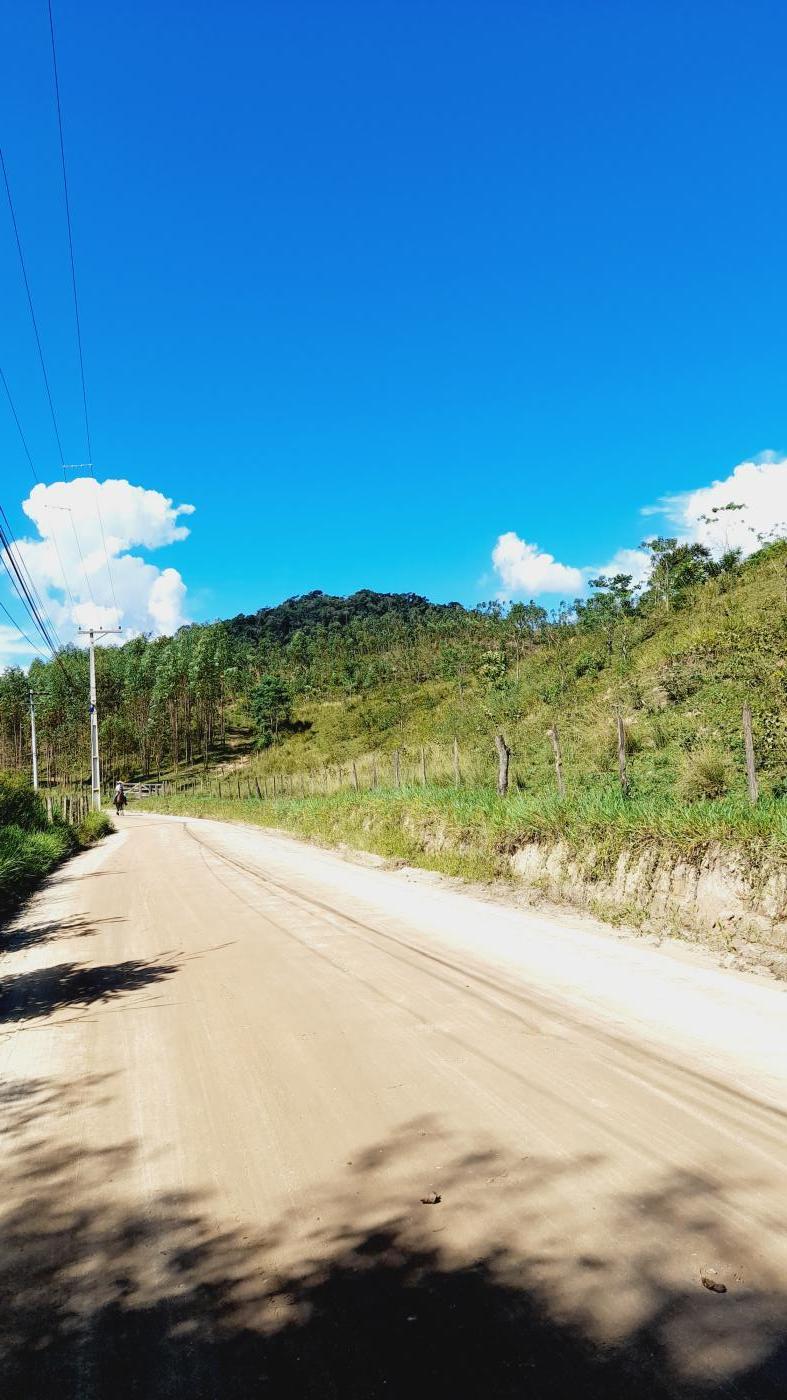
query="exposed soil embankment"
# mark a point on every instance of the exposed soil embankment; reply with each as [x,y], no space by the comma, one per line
[730,899]
[720,896]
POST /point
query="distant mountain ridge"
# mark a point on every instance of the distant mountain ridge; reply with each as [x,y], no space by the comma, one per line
[308,611]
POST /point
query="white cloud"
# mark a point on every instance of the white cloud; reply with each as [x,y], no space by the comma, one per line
[14,650]
[625,561]
[68,558]
[524,568]
[759,486]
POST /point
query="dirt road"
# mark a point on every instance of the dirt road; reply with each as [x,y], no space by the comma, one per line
[236,1072]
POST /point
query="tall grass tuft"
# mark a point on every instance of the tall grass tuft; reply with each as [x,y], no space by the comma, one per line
[706,773]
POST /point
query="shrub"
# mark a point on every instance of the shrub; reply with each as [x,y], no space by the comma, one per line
[682,677]
[587,664]
[92,827]
[20,806]
[706,772]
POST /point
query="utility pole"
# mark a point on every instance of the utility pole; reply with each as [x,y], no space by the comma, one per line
[33,739]
[95,766]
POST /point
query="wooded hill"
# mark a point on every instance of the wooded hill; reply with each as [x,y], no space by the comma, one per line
[319,681]
[312,611]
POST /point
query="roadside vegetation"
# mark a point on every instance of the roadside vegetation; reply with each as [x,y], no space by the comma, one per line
[473,832]
[30,845]
[378,712]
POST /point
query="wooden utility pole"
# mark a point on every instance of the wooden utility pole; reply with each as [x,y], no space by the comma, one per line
[503,761]
[748,745]
[555,742]
[624,781]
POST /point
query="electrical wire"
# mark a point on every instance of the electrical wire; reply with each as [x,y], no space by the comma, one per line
[30,303]
[18,425]
[21,630]
[54,540]
[21,570]
[76,299]
[37,479]
[23,586]
[31,587]
[34,321]
[85,573]
[17,577]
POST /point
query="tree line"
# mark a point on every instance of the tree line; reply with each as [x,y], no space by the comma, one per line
[166,703]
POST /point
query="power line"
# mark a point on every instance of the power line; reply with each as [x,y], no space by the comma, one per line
[37,479]
[31,584]
[17,577]
[46,386]
[24,586]
[21,630]
[76,298]
[18,425]
[30,305]
[85,574]
[68,225]
[54,540]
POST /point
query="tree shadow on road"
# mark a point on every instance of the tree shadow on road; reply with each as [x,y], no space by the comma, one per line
[28,996]
[103,1298]
[30,935]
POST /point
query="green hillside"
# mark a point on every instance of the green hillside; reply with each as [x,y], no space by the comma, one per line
[679,675]
[383,691]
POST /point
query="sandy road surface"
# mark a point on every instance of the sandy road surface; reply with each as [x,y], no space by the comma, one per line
[233,1066]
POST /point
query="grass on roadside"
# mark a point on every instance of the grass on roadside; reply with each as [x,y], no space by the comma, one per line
[31,847]
[26,857]
[471,832]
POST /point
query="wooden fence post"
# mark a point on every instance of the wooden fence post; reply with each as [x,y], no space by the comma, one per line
[457,772]
[374,771]
[503,760]
[555,742]
[748,745]
[355,776]
[257,785]
[397,773]
[624,780]
[423,766]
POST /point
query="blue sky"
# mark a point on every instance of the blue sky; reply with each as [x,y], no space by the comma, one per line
[373,284]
